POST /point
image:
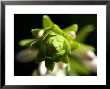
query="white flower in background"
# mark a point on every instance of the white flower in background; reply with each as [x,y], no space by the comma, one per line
[91,61]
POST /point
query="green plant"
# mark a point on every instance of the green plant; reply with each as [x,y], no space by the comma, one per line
[60,49]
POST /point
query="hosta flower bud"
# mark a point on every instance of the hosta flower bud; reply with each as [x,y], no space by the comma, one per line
[56,46]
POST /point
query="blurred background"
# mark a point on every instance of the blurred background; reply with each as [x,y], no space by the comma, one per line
[23,23]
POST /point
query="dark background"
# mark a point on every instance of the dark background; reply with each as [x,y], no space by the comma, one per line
[23,23]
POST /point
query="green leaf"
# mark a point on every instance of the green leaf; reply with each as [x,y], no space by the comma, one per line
[26,42]
[78,68]
[47,22]
[84,32]
[73,27]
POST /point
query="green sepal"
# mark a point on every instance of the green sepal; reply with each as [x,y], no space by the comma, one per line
[67,36]
[47,32]
[47,22]
[57,30]
[84,32]
[26,42]
[74,44]
[73,27]
[67,46]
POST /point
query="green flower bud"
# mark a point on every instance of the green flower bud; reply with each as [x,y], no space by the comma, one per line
[56,46]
